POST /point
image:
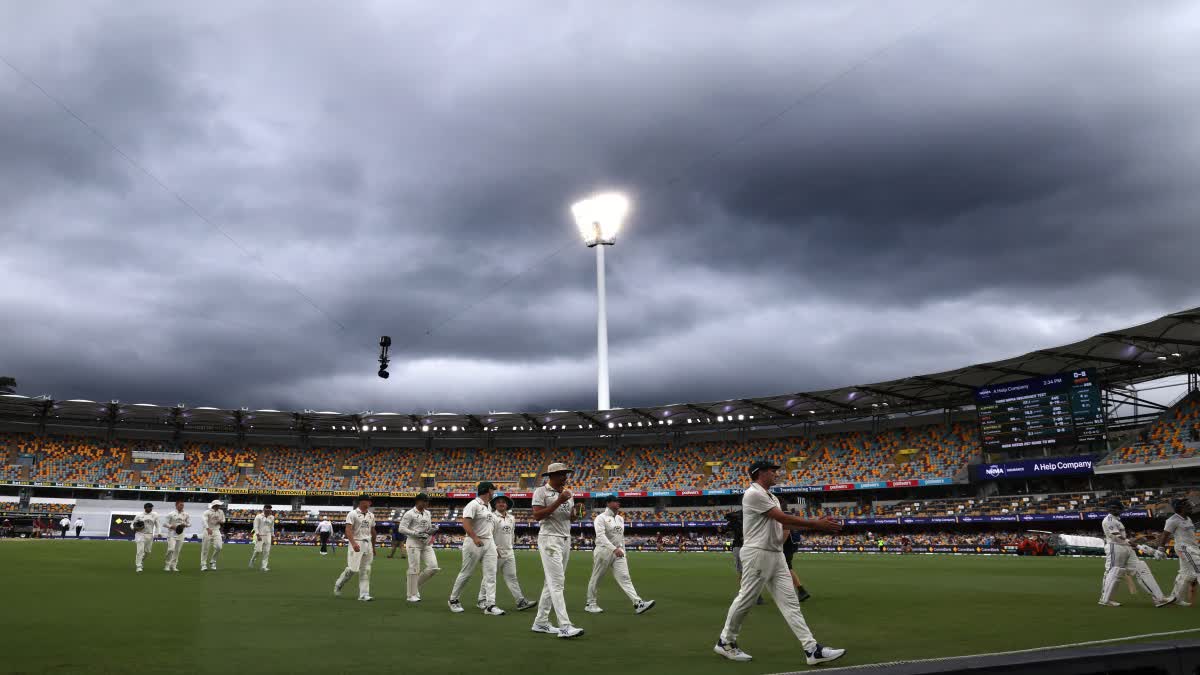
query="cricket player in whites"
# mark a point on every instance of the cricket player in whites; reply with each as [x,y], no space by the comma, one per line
[503,531]
[264,532]
[211,541]
[478,547]
[360,535]
[177,521]
[145,529]
[764,527]
[553,507]
[610,554]
[417,526]
[1121,559]
[1181,527]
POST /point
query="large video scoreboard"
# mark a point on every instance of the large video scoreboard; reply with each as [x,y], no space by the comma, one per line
[1053,410]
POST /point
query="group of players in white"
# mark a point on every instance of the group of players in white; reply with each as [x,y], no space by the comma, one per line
[490,527]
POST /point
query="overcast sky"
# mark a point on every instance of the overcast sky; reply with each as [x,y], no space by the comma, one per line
[824,194]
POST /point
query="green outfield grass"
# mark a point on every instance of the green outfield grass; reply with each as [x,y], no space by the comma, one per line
[78,606]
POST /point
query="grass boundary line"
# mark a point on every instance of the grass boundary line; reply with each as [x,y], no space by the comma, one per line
[1074,645]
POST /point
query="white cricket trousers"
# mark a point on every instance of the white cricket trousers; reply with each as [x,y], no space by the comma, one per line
[358,562]
[210,549]
[506,567]
[472,555]
[143,542]
[262,547]
[604,559]
[1120,560]
[555,552]
[174,547]
[420,556]
[762,569]
[1189,570]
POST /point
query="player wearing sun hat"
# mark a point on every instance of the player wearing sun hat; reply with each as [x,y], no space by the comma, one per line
[553,507]
[211,539]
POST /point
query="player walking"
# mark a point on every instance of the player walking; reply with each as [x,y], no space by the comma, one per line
[763,566]
[503,531]
[1120,559]
[478,547]
[145,529]
[78,527]
[1181,527]
[264,533]
[64,526]
[324,530]
[176,522]
[553,507]
[417,526]
[610,554]
[360,534]
[211,540]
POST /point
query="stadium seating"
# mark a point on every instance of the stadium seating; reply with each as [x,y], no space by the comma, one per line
[1169,437]
[385,469]
[468,466]
[203,465]
[290,468]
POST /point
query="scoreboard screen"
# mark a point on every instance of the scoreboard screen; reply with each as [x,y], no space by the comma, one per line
[1061,409]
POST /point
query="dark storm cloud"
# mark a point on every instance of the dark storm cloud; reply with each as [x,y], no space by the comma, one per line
[986,185]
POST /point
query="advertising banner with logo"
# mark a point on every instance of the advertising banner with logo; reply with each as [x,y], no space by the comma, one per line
[1029,468]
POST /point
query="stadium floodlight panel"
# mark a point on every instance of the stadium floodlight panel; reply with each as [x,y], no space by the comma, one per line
[600,217]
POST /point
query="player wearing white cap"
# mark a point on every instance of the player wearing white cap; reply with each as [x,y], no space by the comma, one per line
[609,554]
[763,567]
[211,540]
[1121,559]
[360,535]
[478,547]
[264,534]
[417,526]
[506,562]
[1181,527]
[176,522]
[553,507]
[145,529]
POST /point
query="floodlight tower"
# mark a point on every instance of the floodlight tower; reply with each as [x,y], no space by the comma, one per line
[599,219]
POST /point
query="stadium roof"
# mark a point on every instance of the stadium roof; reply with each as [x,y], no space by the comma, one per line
[1166,346]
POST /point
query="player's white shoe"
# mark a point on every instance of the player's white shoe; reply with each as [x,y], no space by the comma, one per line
[365,598]
[493,611]
[524,604]
[139,569]
[1110,603]
[455,606]
[203,568]
[593,609]
[569,632]
[1183,603]
[414,598]
[544,628]
[731,651]
[480,604]
[821,654]
[266,569]
[337,589]
[1163,602]
[643,606]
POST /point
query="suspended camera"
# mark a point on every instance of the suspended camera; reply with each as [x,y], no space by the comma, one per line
[384,343]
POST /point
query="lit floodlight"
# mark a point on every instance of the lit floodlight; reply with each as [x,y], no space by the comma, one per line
[599,218]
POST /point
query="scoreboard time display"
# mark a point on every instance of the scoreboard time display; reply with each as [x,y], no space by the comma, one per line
[1053,410]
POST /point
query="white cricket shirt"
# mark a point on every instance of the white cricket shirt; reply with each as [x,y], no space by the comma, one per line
[610,530]
[151,523]
[264,525]
[361,524]
[502,530]
[416,525]
[1114,531]
[64,523]
[176,518]
[481,517]
[79,522]
[558,523]
[1183,529]
[759,531]
[325,526]
[213,519]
